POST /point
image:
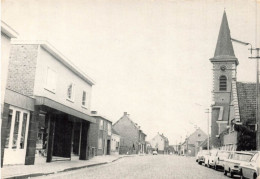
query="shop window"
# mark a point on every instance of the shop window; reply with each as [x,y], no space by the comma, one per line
[16,129]
[25,116]
[41,143]
[9,122]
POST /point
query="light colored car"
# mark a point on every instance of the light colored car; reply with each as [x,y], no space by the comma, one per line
[198,155]
[202,155]
[210,159]
[251,169]
[233,162]
[220,158]
[155,152]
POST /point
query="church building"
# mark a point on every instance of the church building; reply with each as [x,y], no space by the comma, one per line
[234,103]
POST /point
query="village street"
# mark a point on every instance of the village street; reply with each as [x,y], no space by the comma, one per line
[157,166]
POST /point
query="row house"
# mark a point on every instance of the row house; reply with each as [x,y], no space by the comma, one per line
[46,112]
[142,142]
[115,142]
[160,143]
[192,143]
[7,33]
[132,138]
[234,103]
[100,134]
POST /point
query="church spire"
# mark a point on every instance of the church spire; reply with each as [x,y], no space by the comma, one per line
[224,45]
[224,50]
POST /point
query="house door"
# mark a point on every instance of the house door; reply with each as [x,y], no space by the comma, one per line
[16,141]
[108,147]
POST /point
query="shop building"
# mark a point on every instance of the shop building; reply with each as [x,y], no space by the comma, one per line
[46,112]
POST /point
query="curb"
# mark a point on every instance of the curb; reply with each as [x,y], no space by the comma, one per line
[65,170]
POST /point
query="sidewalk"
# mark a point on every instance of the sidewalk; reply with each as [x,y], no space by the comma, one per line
[25,171]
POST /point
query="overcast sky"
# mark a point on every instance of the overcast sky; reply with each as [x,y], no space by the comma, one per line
[149,58]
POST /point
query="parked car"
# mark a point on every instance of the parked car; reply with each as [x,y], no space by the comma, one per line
[155,152]
[210,158]
[198,155]
[202,155]
[251,169]
[233,162]
[220,158]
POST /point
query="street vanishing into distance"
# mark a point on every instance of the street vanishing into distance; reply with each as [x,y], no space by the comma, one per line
[147,166]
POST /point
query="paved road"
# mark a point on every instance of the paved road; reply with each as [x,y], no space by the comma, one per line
[142,167]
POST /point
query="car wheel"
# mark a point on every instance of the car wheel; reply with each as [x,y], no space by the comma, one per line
[255,176]
[225,172]
[231,174]
[241,175]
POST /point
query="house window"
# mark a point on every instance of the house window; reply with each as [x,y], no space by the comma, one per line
[199,135]
[101,125]
[84,97]
[70,91]
[109,129]
[223,83]
[51,80]
[100,143]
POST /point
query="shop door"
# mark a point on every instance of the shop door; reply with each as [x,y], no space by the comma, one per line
[16,141]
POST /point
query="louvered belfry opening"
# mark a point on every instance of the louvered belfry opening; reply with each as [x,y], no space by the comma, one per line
[223,83]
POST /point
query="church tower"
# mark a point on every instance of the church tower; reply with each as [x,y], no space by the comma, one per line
[224,75]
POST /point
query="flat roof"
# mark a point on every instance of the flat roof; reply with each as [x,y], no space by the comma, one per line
[58,55]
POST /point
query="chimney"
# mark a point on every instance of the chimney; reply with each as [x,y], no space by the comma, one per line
[125,113]
[93,112]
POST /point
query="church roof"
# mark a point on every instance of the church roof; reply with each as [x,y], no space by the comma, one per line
[247,101]
[224,49]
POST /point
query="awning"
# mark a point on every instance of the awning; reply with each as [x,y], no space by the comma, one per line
[60,107]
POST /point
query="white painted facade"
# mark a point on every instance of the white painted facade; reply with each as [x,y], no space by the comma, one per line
[158,142]
[115,144]
[51,65]
[6,34]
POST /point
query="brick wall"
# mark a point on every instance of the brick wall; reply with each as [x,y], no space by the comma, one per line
[93,135]
[128,133]
[22,67]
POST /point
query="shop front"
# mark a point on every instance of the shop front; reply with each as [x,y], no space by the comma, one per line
[15,133]
[62,132]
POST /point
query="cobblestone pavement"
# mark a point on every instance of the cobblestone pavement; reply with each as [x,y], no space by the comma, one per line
[158,166]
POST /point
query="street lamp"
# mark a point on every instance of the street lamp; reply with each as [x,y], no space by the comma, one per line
[257,57]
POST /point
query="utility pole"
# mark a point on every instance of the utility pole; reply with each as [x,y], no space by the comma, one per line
[207,111]
[257,121]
